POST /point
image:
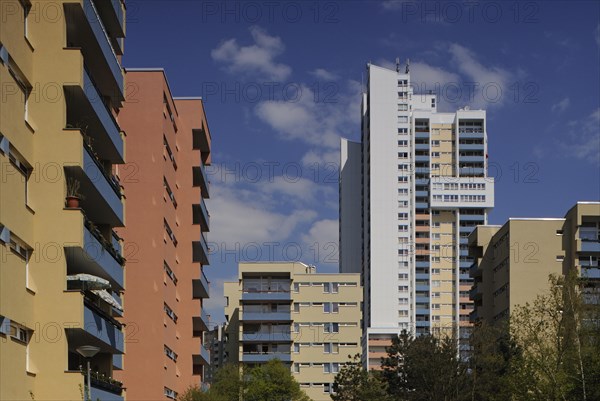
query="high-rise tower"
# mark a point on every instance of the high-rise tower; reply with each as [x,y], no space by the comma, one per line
[421,188]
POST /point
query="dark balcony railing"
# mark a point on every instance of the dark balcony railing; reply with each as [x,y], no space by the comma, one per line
[104,382]
[112,180]
[107,245]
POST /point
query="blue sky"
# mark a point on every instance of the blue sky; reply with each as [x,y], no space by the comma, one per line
[281,83]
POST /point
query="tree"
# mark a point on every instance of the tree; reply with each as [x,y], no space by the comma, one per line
[558,335]
[424,368]
[269,382]
[354,383]
[272,381]
[489,363]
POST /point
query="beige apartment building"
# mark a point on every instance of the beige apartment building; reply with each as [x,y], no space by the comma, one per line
[513,261]
[286,310]
[61,263]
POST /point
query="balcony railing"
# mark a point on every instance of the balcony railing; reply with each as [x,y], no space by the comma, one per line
[103,41]
[110,178]
[104,382]
[107,246]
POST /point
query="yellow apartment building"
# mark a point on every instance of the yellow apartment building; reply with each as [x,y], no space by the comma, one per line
[513,261]
[310,321]
[61,266]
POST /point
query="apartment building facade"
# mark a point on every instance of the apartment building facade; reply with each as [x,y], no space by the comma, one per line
[512,262]
[410,193]
[62,269]
[310,321]
[168,147]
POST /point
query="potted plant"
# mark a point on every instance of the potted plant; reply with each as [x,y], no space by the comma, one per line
[73,195]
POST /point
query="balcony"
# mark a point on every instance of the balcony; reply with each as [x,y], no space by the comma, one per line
[421,146]
[422,158]
[422,181]
[202,322]
[200,287]
[591,273]
[266,317]
[98,328]
[422,287]
[422,323]
[475,271]
[422,311]
[471,159]
[266,296]
[421,205]
[421,264]
[471,146]
[102,194]
[470,134]
[85,30]
[466,229]
[422,299]
[267,337]
[422,276]
[87,111]
[95,256]
[588,246]
[200,216]
[100,392]
[201,140]
[422,134]
[471,171]
[200,180]
[472,217]
[476,293]
[266,357]
[200,250]
[112,13]
[202,358]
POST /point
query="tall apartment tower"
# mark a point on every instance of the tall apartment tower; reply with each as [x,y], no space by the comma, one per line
[286,310]
[168,148]
[61,269]
[410,193]
[513,261]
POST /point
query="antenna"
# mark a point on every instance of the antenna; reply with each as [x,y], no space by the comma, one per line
[397,64]
[407,66]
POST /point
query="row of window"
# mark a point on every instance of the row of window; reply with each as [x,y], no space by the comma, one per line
[327,367]
[328,348]
[328,307]
[170,313]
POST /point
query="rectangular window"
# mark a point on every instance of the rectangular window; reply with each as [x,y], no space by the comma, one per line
[326,288]
[327,307]
[335,287]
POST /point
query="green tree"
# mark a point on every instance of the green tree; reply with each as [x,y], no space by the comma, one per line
[424,368]
[489,363]
[558,336]
[354,383]
[272,381]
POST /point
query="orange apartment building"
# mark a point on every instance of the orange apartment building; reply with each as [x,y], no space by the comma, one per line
[168,145]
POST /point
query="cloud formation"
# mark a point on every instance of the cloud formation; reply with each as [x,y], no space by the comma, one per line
[256,60]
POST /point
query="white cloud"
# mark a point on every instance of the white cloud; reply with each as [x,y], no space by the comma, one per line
[426,77]
[493,82]
[315,118]
[255,60]
[240,216]
[583,138]
[319,158]
[297,190]
[324,75]
[561,106]
[322,238]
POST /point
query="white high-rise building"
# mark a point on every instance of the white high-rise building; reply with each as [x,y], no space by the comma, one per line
[410,193]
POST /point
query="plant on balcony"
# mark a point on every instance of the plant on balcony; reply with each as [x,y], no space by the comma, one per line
[105,382]
[73,196]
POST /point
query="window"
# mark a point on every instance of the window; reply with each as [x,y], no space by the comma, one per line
[327,288]
[170,194]
[170,233]
[19,163]
[296,287]
[403,313]
[403,276]
[326,368]
[327,388]
[296,368]
[170,313]
[403,130]
[170,393]
[435,154]
[170,354]
[296,348]
[19,333]
[403,143]
[331,328]
[335,307]
[403,288]
[327,307]
[170,273]
[435,144]
[335,288]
